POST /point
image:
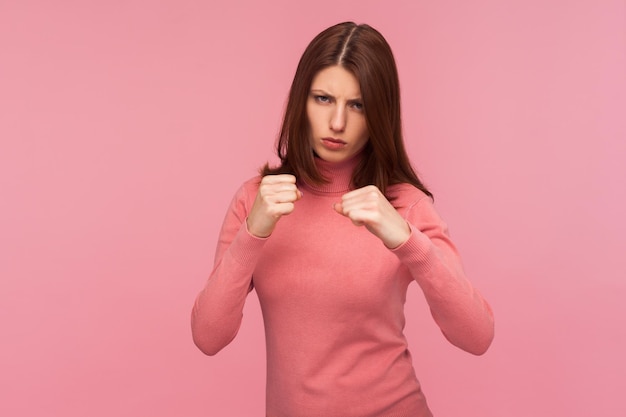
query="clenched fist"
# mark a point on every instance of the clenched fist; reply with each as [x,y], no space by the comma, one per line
[368,207]
[275,198]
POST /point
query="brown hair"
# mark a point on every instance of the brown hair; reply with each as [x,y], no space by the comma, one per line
[364,52]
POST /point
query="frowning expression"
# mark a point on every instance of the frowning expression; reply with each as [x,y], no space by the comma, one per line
[336,115]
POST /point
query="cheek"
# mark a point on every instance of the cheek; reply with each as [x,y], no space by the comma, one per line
[363,133]
[311,128]
[315,116]
[311,120]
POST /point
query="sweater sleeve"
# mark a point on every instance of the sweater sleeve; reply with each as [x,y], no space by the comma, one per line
[461,313]
[218,308]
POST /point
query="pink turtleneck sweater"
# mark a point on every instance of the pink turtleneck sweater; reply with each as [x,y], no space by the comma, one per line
[333,296]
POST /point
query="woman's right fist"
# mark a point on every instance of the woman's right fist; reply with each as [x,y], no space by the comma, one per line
[275,198]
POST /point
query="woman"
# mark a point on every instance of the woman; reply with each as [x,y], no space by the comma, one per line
[331,239]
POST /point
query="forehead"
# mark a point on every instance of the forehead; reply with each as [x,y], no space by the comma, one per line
[337,81]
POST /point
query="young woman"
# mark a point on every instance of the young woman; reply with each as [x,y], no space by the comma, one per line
[330,241]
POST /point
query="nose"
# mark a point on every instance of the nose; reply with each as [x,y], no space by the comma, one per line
[338,119]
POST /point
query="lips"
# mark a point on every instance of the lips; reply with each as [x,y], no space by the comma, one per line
[333,140]
[333,144]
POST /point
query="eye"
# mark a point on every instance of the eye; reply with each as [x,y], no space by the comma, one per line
[357,106]
[321,98]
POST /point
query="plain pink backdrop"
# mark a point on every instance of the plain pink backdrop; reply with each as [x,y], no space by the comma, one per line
[126,126]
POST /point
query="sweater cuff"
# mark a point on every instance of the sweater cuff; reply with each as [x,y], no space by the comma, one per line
[246,248]
[416,251]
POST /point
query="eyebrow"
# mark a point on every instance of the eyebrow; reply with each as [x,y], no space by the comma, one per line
[327,94]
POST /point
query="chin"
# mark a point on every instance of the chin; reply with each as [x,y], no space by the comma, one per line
[332,157]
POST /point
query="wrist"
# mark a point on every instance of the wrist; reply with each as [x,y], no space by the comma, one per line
[400,238]
[255,231]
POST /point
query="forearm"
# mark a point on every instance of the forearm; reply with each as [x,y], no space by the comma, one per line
[461,313]
[218,309]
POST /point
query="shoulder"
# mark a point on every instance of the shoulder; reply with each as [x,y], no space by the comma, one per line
[406,195]
[251,184]
[417,208]
[245,194]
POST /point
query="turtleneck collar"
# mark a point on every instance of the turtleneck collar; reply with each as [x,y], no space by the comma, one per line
[339,175]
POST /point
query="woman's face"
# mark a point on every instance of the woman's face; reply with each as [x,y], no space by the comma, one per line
[336,116]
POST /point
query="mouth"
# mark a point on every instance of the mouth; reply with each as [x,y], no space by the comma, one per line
[335,141]
[333,144]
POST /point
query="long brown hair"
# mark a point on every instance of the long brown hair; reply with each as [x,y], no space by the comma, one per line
[364,52]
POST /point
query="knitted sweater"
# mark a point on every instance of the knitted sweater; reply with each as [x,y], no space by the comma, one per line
[332,297]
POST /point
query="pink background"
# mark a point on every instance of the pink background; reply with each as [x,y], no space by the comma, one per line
[126,127]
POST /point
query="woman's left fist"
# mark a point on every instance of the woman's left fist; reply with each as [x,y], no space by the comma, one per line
[368,207]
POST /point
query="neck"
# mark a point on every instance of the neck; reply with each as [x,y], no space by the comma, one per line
[338,174]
